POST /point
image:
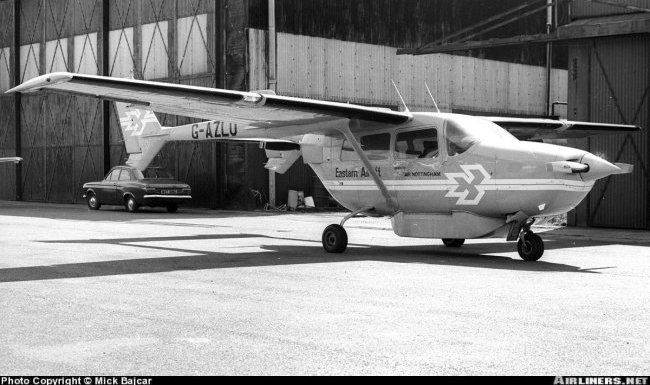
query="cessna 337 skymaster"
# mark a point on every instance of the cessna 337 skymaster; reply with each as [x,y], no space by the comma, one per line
[438,175]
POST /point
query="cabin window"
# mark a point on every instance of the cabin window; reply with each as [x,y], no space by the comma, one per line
[417,144]
[458,140]
[376,147]
[114,175]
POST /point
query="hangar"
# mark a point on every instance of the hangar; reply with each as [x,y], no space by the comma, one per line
[340,51]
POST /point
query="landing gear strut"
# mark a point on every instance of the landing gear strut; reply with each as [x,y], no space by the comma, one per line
[335,238]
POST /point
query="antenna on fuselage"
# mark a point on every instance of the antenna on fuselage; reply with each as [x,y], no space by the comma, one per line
[430,94]
[406,109]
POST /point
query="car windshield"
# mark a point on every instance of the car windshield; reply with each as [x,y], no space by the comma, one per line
[153,173]
[463,131]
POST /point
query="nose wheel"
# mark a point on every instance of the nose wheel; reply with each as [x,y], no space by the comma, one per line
[530,246]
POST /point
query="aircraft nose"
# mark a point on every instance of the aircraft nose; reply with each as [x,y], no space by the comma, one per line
[599,168]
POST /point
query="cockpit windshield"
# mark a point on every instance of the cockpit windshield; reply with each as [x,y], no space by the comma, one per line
[463,131]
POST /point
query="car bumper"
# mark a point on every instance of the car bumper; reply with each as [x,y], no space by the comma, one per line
[165,197]
[164,200]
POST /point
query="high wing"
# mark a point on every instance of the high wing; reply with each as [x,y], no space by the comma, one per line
[248,109]
[539,129]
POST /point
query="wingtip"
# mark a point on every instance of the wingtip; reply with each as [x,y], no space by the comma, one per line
[39,82]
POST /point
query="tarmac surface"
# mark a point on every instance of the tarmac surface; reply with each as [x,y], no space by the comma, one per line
[219,292]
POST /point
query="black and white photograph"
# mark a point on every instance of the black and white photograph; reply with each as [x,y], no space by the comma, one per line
[204,188]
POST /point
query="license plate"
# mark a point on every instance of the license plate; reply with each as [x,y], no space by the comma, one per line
[168,192]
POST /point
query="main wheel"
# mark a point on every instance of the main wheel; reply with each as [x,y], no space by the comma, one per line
[530,247]
[453,242]
[335,239]
[92,201]
[131,205]
[172,208]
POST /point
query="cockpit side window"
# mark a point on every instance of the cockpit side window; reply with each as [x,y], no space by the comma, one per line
[458,141]
[375,146]
[417,144]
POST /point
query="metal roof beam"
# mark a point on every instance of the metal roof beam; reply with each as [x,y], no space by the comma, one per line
[640,23]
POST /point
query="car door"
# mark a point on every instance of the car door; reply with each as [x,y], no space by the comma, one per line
[106,190]
[122,185]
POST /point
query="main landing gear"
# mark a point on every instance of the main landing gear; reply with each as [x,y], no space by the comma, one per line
[335,238]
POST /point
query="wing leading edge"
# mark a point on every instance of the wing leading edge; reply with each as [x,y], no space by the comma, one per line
[539,129]
[250,109]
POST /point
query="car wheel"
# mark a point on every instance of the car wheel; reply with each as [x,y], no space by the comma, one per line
[92,201]
[131,205]
[172,208]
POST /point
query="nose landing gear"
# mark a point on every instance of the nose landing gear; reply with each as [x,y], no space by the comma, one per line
[530,246]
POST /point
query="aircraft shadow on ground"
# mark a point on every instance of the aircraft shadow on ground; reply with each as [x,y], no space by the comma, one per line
[472,255]
[119,214]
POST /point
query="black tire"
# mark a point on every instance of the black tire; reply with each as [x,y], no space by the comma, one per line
[453,242]
[530,247]
[92,202]
[335,239]
[130,204]
[172,208]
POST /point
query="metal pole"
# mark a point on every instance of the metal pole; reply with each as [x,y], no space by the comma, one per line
[17,101]
[549,56]
[106,105]
[272,83]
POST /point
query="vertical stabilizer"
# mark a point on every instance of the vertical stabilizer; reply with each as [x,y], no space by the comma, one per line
[143,135]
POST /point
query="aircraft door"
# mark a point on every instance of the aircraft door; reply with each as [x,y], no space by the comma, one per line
[469,170]
[356,188]
[417,164]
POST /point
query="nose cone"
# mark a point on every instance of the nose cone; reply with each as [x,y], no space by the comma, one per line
[598,168]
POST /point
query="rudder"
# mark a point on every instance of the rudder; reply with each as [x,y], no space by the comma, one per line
[143,135]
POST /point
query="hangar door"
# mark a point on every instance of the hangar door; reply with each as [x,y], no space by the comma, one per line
[618,72]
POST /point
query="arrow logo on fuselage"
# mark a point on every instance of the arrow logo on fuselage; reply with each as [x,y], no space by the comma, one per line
[136,121]
[469,185]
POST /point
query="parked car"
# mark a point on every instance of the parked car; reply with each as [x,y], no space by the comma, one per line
[128,186]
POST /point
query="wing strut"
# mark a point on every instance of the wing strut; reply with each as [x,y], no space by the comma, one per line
[345,130]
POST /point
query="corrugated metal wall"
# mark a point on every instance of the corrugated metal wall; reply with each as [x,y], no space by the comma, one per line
[7,121]
[581,9]
[361,73]
[407,23]
[61,136]
[65,139]
[610,82]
